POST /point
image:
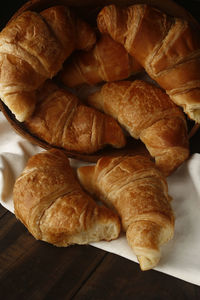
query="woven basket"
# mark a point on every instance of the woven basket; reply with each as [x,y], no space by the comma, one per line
[88,10]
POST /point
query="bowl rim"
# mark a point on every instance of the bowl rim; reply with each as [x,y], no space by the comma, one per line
[168,6]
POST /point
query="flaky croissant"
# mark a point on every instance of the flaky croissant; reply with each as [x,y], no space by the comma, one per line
[50,202]
[33,48]
[167,47]
[148,114]
[135,188]
[107,61]
[62,120]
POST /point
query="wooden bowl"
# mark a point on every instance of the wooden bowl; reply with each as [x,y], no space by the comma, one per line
[88,10]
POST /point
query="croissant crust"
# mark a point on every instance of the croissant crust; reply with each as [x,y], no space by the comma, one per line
[50,202]
[167,47]
[138,192]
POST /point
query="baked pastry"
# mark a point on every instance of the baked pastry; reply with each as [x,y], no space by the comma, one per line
[50,202]
[62,120]
[167,47]
[106,61]
[148,114]
[135,188]
[33,48]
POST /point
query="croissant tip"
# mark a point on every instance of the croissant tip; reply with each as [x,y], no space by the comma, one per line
[147,263]
[102,25]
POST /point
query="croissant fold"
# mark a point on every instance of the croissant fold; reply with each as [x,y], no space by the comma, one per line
[138,192]
[167,47]
[106,61]
[33,48]
[148,114]
[62,120]
[50,202]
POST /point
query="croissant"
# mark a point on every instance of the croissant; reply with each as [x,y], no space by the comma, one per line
[148,114]
[107,61]
[137,190]
[62,120]
[167,47]
[50,202]
[33,48]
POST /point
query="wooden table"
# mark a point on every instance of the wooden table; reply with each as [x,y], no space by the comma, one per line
[31,269]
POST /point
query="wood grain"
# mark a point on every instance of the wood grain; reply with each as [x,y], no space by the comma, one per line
[116,276]
[34,269]
[31,269]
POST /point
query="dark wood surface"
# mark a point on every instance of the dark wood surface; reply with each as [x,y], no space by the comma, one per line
[31,269]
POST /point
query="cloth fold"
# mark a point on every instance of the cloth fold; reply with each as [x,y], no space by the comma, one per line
[180,257]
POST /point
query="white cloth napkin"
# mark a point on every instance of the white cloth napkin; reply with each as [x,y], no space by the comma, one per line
[180,257]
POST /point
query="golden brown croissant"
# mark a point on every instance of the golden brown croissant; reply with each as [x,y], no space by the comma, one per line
[107,61]
[167,47]
[147,112]
[50,202]
[135,188]
[62,120]
[33,48]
